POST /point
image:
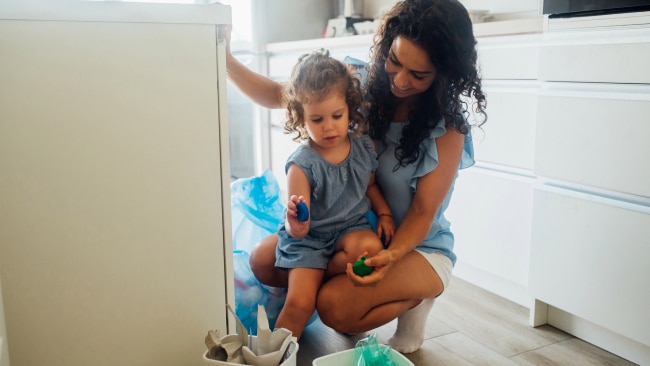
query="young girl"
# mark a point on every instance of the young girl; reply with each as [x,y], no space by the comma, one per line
[332,172]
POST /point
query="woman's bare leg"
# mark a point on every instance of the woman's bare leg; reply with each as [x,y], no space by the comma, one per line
[350,309]
[262,262]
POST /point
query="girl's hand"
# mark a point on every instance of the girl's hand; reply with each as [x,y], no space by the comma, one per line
[385,229]
[380,264]
[292,207]
[295,227]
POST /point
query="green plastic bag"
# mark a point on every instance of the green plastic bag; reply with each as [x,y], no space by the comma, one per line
[368,352]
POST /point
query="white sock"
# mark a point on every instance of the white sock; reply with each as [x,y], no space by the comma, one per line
[409,334]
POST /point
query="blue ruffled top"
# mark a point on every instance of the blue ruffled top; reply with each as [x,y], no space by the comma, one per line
[399,185]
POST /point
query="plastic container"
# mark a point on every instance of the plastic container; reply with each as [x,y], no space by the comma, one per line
[291,361]
[347,358]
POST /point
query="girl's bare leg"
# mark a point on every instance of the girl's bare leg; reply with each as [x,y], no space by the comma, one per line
[301,299]
[350,309]
[350,247]
[262,262]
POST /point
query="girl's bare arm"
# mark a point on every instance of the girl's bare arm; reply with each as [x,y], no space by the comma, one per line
[299,191]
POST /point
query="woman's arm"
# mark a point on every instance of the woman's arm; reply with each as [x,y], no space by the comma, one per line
[258,88]
[429,195]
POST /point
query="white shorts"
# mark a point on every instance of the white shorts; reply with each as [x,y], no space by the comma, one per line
[441,264]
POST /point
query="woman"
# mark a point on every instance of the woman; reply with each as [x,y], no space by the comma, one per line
[422,81]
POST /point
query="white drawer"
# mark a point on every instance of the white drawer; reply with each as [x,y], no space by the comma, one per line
[595,135]
[508,137]
[597,56]
[490,215]
[509,58]
[590,258]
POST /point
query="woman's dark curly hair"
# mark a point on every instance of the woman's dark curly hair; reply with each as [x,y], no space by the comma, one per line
[312,79]
[444,30]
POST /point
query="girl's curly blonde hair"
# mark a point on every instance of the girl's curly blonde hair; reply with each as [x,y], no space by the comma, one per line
[313,78]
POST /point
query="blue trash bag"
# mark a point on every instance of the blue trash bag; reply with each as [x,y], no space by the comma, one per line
[249,292]
[256,209]
[256,212]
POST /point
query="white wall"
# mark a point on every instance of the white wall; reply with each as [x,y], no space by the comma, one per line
[291,20]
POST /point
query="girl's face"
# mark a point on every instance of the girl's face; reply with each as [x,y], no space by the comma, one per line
[409,68]
[326,121]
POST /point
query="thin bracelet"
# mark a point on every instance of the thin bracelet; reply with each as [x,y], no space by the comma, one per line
[385,214]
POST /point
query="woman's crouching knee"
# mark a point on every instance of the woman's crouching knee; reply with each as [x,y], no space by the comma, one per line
[262,261]
[261,265]
[335,314]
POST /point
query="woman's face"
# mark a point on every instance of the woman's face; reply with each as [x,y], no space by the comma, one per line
[409,68]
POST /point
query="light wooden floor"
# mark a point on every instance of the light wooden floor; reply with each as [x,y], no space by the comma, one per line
[470,326]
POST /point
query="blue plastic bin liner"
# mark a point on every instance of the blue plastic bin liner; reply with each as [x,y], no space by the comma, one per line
[256,212]
[256,209]
[249,292]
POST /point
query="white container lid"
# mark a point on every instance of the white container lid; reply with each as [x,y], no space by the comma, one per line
[347,358]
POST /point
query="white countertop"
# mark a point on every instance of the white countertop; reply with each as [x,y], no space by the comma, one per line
[509,27]
[115,11]
[486,29]
[610,21]
[329,43]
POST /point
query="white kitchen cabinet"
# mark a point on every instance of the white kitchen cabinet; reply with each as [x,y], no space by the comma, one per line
[512,57]
[595,135]
[114,203]
[491,210]
[604,55]
[508,138]
[590,257]
[591,208]
[492,230]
